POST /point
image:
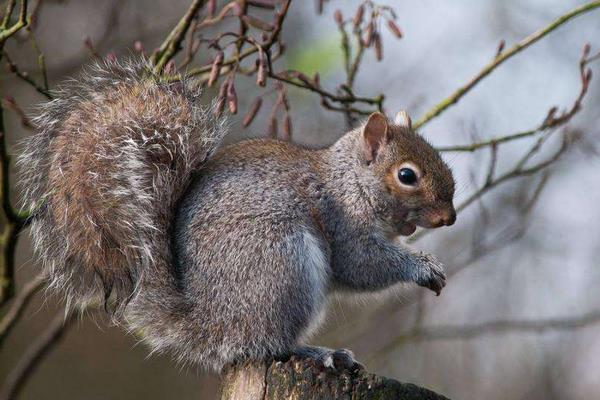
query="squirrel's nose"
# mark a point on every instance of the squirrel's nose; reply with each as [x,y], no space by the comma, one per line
[444,216]
[449,216]
[441,216]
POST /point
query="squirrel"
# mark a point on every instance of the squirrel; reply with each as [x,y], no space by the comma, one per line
[221,253]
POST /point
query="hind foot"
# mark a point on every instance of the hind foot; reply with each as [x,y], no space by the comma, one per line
[342,359]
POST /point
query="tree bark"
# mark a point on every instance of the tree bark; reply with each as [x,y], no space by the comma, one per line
[304,379]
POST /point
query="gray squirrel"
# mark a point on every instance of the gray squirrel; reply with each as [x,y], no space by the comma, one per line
[221,253]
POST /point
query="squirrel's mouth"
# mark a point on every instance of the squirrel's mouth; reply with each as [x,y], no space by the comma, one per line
[407,228]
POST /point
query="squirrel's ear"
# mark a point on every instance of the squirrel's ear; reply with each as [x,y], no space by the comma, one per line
[402,119]
[375,136]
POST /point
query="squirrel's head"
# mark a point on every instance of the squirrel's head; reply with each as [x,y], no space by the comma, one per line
[417,185]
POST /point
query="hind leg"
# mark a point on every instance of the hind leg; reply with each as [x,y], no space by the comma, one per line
[260,299]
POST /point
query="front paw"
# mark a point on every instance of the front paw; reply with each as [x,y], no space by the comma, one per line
[432,274]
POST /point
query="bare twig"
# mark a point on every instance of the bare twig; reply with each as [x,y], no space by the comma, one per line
[33,17]
[10,103]
[552,120]
[287,77]
[172,43]
[241,55]
[550,123]
[41,64]
[490,142]
[34,354]
[518,170]
[489,328]
[501,58]
[344,99]
[18,306]
[192,44]
[21,23]
[15,221]
[508,234]
[10,6]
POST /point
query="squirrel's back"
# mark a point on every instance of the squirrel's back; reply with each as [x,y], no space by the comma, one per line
[113,153]
[251,181]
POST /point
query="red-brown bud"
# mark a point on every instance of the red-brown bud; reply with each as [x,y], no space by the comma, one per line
[232,101]
[317,80]
[195,45]
[305,79]
[11,67]
[236,9]
[338,17]
[358,17]
[287,127]
[394,28]
[215,70]
[169,67]
[252,111]
[378,46]
[586,50]
[273,126]
[211,6]
[368,38]
[261,73]
[500,48]
[221,97]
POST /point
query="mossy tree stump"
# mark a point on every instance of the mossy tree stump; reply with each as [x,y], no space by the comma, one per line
[304,379]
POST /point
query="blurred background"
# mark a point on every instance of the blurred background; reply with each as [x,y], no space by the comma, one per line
[520,316]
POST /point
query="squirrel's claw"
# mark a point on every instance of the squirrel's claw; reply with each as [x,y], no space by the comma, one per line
[437,282]
[339,360]
[342,359]
[433,277]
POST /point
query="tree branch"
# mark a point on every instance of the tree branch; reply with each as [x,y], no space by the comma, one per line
[501,58]
[16,221]
[24,76]
[303,379]
[34,354]
[451,332]
[6,32]
[16,309]
[172,44]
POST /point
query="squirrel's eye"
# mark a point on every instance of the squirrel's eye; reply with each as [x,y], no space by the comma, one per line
[407,176]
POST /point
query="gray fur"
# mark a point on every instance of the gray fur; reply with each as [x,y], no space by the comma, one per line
[232,257]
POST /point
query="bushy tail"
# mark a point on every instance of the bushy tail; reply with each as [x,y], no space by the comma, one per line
[102,176]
